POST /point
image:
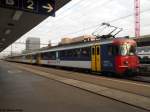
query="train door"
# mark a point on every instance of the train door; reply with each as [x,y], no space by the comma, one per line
[30,58]
[107,57]
[96,58]
[38,59]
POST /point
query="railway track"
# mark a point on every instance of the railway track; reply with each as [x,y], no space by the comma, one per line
[145,79]
[145,70]
[144,74]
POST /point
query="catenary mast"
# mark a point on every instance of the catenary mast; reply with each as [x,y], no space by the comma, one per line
[137,18]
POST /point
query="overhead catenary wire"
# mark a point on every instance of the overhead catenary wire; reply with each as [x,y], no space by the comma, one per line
[101,6]
[111,21]
[29,43]
[96,25]
[63,17]
[71,7]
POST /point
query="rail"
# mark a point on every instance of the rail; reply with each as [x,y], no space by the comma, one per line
[145,70]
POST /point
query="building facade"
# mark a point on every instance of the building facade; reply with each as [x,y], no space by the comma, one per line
[32,43]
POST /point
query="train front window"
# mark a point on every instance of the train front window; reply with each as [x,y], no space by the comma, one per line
[127,49]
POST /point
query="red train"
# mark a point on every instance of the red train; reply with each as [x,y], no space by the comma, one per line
[126,61]
[116,55]
[106,54]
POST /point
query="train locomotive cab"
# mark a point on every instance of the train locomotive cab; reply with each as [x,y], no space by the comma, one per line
[126,60]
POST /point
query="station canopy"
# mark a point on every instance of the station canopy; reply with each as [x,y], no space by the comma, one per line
[19,16]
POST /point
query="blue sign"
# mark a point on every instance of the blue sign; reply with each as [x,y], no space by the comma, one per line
[44,7]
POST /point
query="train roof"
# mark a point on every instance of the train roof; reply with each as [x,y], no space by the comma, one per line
[120,41]
[86,44]
[81,45]
[76,45]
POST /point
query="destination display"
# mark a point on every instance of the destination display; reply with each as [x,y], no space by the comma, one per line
[44,7]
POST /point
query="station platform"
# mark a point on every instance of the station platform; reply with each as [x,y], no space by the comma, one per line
[24,91]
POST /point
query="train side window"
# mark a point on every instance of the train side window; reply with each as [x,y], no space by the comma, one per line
[53,55]
[74,53]
[77,52]
[85,52]
[42,56]
[27,56]
[34,56]
[63,53]
[46,55]
[71,53]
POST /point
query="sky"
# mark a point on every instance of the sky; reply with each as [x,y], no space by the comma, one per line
[82,17]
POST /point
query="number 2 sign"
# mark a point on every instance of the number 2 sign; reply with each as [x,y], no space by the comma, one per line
[44,7]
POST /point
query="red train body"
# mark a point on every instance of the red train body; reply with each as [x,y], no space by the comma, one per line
[126,61]
[116,55]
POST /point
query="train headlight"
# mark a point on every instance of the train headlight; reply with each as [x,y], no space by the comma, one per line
[126,63]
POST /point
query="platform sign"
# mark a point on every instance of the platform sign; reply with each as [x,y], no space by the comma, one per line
[9,3]
[30,5]
[44,7]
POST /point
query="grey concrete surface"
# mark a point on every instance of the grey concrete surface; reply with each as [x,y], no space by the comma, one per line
[122,96]
[26,92]
[118,84]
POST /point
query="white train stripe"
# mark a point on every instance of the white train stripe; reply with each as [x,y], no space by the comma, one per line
[76,64]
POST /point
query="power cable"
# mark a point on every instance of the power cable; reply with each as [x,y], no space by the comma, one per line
[28,43]
[70,7]
[117,19]
[63,17]
[102,5]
